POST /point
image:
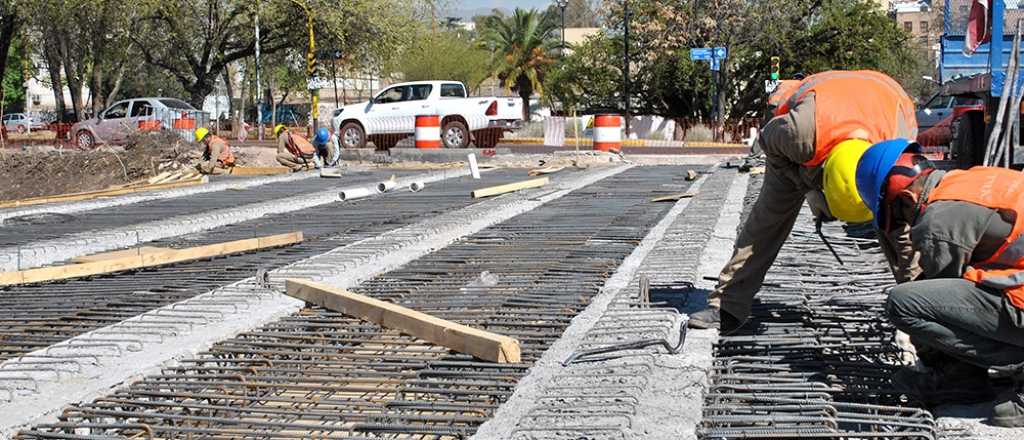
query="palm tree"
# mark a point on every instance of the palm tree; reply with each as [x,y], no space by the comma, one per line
[526,45]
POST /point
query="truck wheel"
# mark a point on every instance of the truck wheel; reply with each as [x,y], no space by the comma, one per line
[487,138]
[455,135]
[352,136]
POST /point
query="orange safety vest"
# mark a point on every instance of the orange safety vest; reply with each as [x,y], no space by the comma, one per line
[299,146]
[227,158]
[784,91]
[994,188]
[850,101]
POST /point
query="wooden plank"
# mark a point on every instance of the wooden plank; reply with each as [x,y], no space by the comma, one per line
[502,189]
[119,254]
[168,256]
[674,197]
[259,171]
[545,170]
[110,192]
[458,337]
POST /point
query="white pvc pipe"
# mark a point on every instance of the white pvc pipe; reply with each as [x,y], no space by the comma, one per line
[416,186]
[473,168]
[355,193]
[386,186]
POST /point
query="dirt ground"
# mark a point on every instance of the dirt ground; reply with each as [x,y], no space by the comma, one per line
[42,171]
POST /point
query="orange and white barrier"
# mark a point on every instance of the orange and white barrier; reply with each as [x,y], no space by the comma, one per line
[428,131]
[608,133]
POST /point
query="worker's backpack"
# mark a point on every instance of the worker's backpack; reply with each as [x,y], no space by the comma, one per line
[300,147]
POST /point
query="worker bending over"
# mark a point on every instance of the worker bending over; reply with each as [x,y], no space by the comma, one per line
[965,312]
[326,154]
[217,155]
[294,151]
[812,146]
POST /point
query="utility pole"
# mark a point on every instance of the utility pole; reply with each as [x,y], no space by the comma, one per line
[334,72]
[314,94]
[625,69]
[259,91]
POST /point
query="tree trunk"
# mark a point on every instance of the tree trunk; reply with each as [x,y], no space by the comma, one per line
[53,66]
[8,29]
[229,89]
[72,76]
[117,85]
[200,89]
[96,90]
[525,93]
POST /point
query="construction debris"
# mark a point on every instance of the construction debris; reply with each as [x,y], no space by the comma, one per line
[163,181]
[258,171]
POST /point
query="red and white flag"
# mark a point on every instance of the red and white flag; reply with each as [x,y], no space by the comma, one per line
[978,27]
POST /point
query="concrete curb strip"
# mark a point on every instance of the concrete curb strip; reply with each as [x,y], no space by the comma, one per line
[88,205]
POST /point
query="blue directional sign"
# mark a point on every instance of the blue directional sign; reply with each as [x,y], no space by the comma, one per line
[721,53]
[715,64]
[700,54]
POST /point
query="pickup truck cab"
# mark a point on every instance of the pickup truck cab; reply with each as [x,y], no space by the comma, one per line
[391,116]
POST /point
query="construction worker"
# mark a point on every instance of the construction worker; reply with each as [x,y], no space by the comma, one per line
[812,146]
[965,312]
[217,155]
[294,151]
[326,156]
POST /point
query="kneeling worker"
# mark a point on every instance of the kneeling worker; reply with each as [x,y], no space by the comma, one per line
[812,146]
[294,151]
[326,155]
[965,313]
[217,155]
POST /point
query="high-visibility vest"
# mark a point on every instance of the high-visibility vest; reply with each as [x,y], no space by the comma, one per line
[299,146]
[226,157]
[1001,189]
[783,92]
[859,104]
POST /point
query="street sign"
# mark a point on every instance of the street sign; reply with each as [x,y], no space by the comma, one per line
[700,54]
[715,64]
[721,53]
[770,86]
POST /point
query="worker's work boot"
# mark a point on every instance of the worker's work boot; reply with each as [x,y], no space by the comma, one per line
[714,318]
[1009,409]
[953,381]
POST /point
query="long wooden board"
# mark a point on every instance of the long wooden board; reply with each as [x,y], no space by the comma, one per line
[259,171]
[507,188]
[74,197]
[119,254]
[458,337]
[146,260]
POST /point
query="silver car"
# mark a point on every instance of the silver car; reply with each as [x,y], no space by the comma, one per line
[22,122]
[114,124]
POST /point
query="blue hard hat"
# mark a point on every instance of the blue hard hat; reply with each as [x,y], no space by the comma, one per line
[321,136]
[873,170]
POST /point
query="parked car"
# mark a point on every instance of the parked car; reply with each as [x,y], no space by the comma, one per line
[936,117]
[22,122]
[391,116]
[114,124]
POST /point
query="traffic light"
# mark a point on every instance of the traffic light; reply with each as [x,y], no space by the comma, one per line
[776,68]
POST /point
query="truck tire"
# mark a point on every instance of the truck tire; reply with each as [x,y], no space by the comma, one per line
[352,136]
[455,134]
[968,140]
[487,138]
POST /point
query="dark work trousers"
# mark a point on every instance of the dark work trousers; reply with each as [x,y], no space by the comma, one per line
[954,316]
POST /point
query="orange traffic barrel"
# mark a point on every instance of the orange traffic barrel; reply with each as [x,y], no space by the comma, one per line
[428,131]
[608,133]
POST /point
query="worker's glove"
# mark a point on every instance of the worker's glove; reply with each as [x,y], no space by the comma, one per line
[819,206]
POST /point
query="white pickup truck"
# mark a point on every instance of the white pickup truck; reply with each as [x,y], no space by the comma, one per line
[391,116]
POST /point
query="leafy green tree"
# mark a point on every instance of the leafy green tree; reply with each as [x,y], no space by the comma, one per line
[579,13]
[10,22]
[527,44]
[14,78]
[444,56]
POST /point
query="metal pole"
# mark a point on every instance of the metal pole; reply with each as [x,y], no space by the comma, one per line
[334,72]
[625,69]
[259,91]
[563,5]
